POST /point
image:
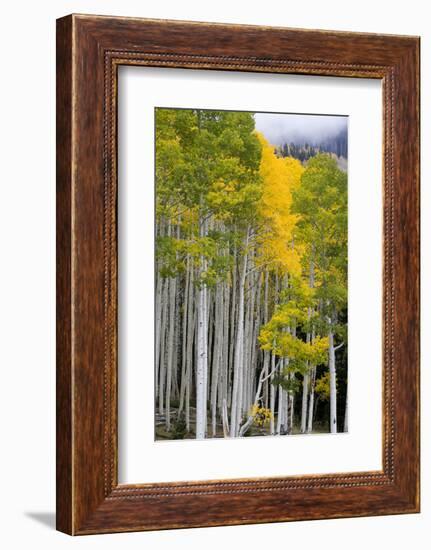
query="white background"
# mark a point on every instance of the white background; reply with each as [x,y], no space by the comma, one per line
[27,122]
[141,458]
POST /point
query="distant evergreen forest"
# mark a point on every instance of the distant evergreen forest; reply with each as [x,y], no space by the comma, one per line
[303,151]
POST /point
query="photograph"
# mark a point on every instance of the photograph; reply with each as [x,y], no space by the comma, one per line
[251,269]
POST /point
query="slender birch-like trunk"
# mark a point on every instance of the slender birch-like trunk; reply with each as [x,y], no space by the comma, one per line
[245,351]
[225,419]
[332,383]
[254,332]
[306,381]
[305,389]
[266,353]
[241,384]
[183,381]
[158,312]
[280,410]
[272,391]
[217,350]
[162,375]
[311,401]
[236,407]
[202,350]
[190,341]
[346,413]
[170,355]
[225,381]
[249,342]
[175,391]
[232,328]
[170,344]
[286,423]
[291,398]
[206,321]
[304,408]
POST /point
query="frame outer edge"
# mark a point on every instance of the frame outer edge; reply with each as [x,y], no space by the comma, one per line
[81,508]
[407,279]
[64,367]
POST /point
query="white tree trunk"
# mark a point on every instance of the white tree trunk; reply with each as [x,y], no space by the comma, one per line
[236,407]
[202,350]
[158,325]
[306,382]
[184,340]
[305,385]
[332,385]
[217,355]
[266,353]
[280,410]
[225,379]
[272,391]
[225,420]
[170,359]
[232,328]
[190,339]
[311,401]
[346,413]
[292,410]
[162,359]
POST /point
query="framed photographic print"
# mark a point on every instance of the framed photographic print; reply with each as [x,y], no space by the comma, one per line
[237,274]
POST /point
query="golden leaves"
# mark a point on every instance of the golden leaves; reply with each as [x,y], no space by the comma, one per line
[261,415]
[279,177]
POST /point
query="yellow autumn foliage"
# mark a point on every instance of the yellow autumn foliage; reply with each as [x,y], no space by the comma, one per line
[279,176]
[261,415]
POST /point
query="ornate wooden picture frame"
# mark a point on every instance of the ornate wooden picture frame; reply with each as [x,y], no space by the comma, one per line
[89,51]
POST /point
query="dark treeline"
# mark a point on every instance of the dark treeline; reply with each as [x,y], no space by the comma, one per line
[303,150]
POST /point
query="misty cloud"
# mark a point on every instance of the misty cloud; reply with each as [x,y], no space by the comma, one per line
[286,128]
